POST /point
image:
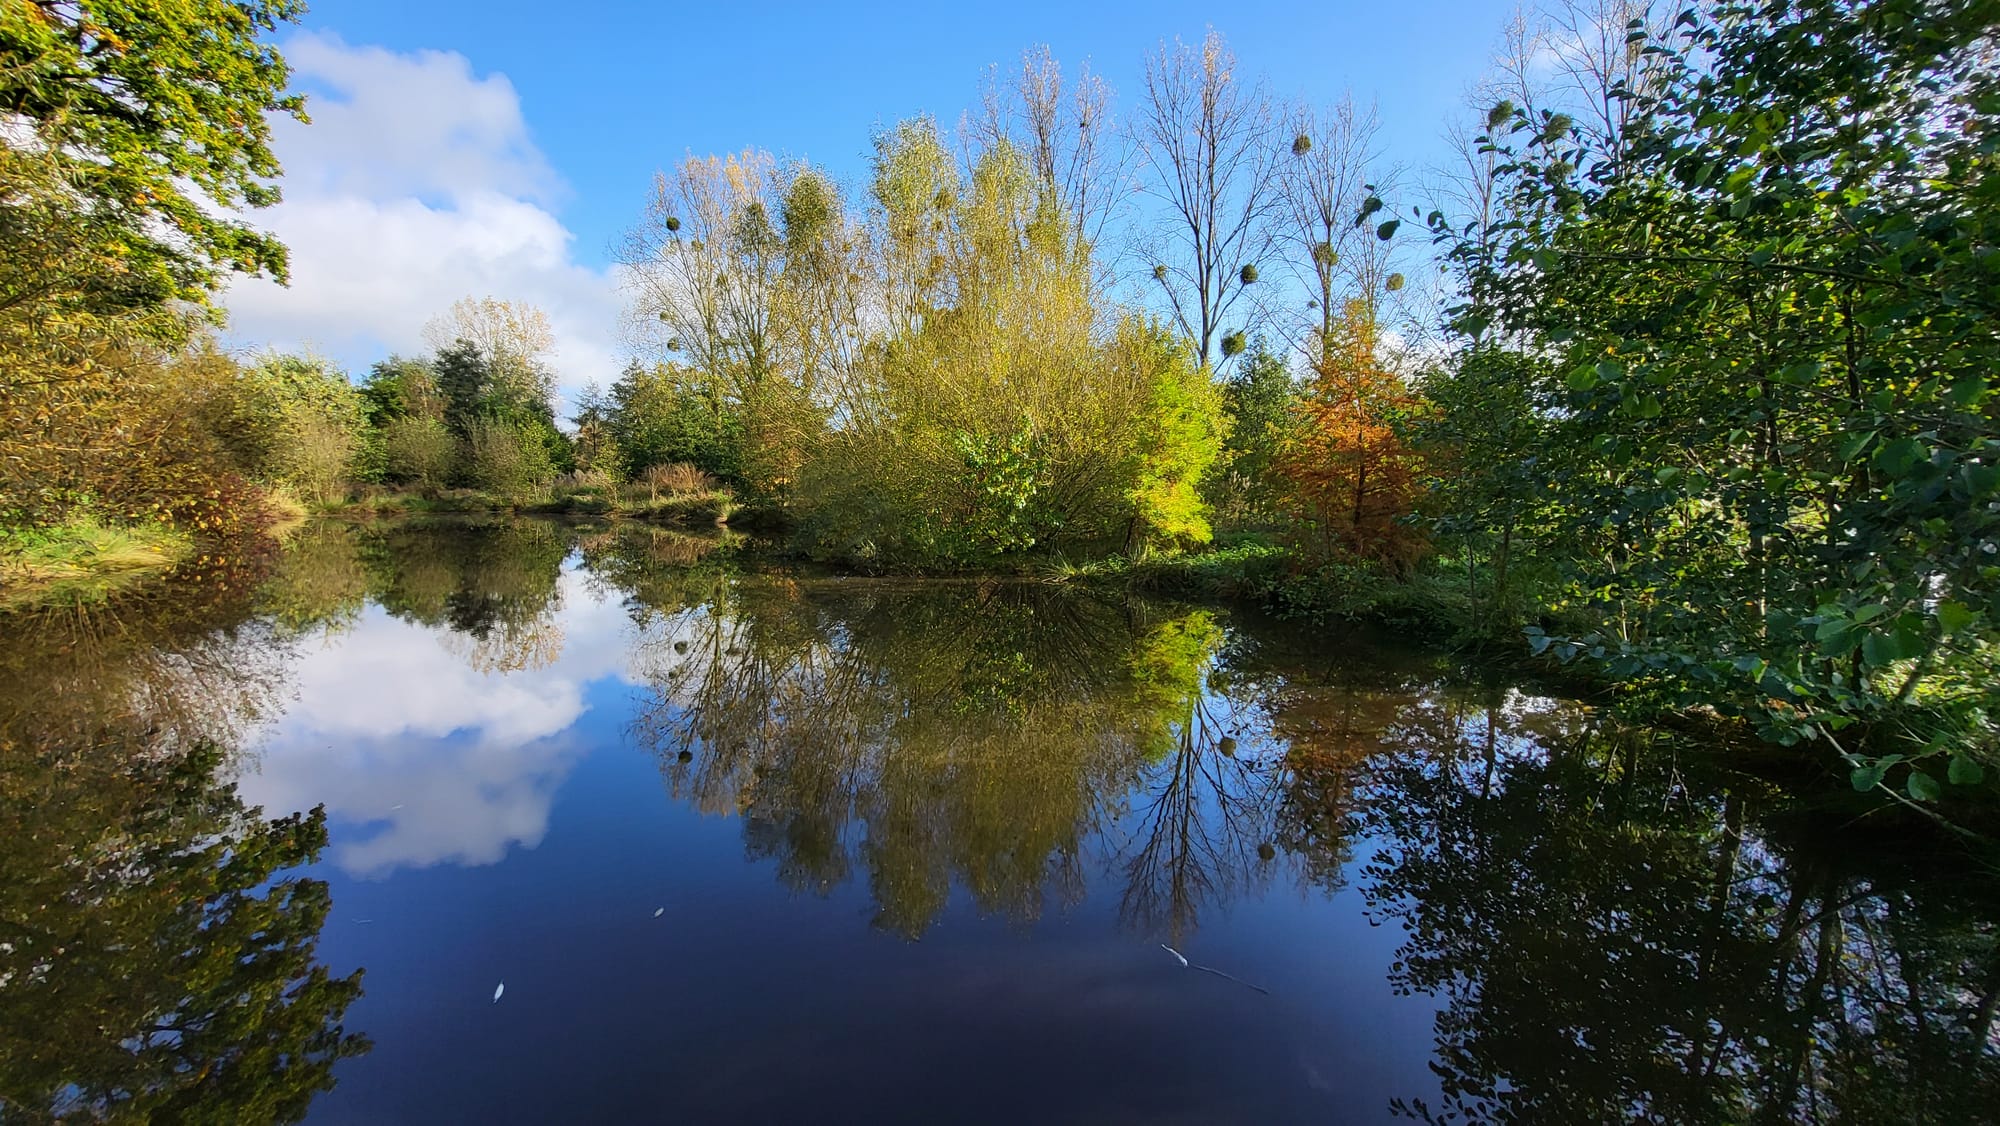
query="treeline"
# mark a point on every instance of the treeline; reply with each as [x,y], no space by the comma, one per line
[954,362]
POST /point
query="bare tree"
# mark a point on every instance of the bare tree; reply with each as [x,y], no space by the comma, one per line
[1065,129]
[1206,137]
[1595,49]
[1322,186]
[703,263]
[511,329]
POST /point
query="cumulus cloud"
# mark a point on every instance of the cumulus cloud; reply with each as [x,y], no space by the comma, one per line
[418,183]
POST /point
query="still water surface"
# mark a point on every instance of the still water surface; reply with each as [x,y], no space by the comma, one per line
[615,830]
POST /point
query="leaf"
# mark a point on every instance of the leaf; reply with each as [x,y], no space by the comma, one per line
[1866,778]
[1387,231]
[1965,772]
[1898,644]
[1955,616]
[1923,787]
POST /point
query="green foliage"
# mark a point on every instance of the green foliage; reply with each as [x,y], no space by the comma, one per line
[1765,433]
[161,114]
[419,451]
[1004,475]
[1257,398]
[1178,438]
[401,387]
[511,459]
[669,414]
[161,956]
[308,420]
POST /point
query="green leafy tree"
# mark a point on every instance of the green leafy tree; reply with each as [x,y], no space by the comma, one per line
[667,414]
[1180,434]
[1257,397]
[1768,296]
[161,115]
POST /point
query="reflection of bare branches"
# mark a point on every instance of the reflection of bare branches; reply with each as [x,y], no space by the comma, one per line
[1207,826]
[510,645]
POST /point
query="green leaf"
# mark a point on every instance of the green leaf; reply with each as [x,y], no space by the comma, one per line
[1923,787]
[1965,772]
[1866,778]
[1954,616]
[1899,457]
[1897,644]
[1855,444]
[1387,231]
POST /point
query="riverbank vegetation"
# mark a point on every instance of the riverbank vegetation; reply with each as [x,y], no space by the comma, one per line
[1693,389]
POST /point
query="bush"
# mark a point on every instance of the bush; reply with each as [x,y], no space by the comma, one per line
[509,460]
[419,451]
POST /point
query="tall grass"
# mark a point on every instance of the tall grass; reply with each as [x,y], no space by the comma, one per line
[82,558]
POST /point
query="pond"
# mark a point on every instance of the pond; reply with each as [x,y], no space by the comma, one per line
[532,822]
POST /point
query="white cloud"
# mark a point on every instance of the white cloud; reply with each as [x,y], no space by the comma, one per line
[417,184]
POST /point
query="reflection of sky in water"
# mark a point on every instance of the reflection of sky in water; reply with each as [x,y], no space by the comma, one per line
[492,826]
[424,758]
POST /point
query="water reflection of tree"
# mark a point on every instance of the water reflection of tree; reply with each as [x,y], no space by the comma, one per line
[936,736]
[1204,819]
[1617,932]
[494,586]
[156,960]
[156,964]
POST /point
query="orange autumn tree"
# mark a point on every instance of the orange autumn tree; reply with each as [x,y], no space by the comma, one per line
[1350,480]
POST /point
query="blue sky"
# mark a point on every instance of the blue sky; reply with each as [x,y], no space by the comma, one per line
[502,147]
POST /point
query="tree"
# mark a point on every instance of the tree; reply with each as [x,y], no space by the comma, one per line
[1258,398]
[419,450]
[595,445]
[319,417]
[510,459]
[666,414]
[510,341]
[1207,144]
[158,116]
[1065,130]
[1485,439]
[401,387]
[1322,186]
[1352,479]
[1180,434]
[1764,292]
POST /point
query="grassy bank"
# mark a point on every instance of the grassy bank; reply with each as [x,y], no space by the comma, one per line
[83,559]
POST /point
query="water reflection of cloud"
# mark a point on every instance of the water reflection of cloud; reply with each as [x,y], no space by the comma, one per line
[422,759]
